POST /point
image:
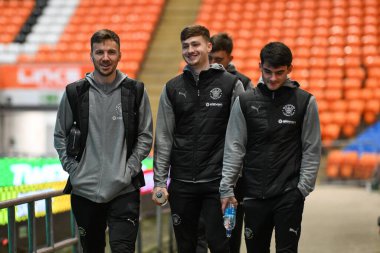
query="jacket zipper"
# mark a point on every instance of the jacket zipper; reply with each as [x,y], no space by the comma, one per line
[75,124]
[196,134]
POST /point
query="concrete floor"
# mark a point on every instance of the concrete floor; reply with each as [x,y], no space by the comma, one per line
[340,219]
[336,219]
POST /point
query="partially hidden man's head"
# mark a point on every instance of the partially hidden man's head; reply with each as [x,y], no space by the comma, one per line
[275,64]
[222,46]
[196,45]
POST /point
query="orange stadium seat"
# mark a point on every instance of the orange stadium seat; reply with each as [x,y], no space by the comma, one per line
[366,165]
[353,83]
[338,105]
[355,73]
[349,130]
[349,163]
[353,118]
[333,94]
[334,82]
[323,106]
[330,132]
[372,83]
[371,110]
[356,105]
[354,40]
[334,162]
[339,118]
[373,71]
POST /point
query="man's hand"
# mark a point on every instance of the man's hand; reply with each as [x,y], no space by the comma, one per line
[161,189]
[224,202]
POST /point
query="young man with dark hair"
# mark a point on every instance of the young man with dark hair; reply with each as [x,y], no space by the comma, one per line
[113,114]
[274,133]
[192,118]
[221,52]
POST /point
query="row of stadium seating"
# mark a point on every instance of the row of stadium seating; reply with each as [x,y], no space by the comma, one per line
[336,46]
[62,31]
[357,160]
[12,17]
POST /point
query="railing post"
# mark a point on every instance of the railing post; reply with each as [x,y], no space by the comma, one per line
[74,232]
[32,241]
[31,228]
[139,239]
[171,249]
[49,222]
[11,230]
[159,229]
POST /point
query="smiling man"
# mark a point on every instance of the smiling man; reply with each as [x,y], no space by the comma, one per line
[274,133]
[191,124]
[114,117]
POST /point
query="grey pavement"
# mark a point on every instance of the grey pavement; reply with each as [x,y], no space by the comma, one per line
[339,219]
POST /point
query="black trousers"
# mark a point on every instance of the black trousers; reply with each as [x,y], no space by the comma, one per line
[235,239]
[187,201]
[284,213]
[120,214]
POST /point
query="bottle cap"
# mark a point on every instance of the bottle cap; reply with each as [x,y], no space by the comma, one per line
[160,197]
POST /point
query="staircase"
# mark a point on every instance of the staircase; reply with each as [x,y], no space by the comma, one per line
[163,59]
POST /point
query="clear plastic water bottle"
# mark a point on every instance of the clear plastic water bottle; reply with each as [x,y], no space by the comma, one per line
[229,218]
[160,197]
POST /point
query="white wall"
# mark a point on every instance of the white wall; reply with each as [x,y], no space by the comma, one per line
[28,133]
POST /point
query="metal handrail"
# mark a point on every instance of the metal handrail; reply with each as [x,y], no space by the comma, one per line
[50,245]
[74,240]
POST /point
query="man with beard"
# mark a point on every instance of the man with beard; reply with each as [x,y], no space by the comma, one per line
[114,117]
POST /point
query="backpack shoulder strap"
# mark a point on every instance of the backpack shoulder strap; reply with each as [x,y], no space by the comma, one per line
[73,97]
[131,96]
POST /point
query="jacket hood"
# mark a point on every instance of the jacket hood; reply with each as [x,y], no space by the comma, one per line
[288,83]
[106,88]
[231,68]
[215,67]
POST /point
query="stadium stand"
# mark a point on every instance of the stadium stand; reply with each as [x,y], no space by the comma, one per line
[336,44]
[59,31]
[336,58]
[359,159]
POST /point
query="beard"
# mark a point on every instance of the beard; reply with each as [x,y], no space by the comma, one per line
[106,73]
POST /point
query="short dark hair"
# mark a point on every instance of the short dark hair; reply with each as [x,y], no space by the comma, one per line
[222,42]
[195,30]
[104,34]
[276,54]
